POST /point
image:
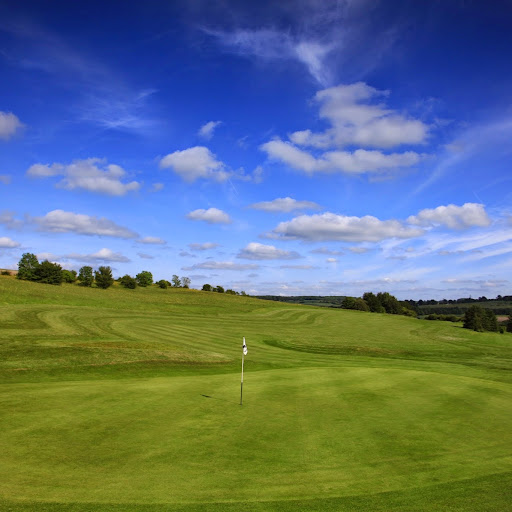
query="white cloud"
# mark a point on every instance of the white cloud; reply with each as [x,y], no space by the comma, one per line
[297,267]
[211,216]
[269,44]
[9,125]
[145,256]
[59,221]
[358,162]
[5,179]
[194,163]
[8,220]
[358,250]
[222,265]
[452,216]
[8,243]
[355,121]
[203,247]
[325,250]
[329,226]
[206,131]
[92,174]
[256,251]
[284,204]
[103,255]
[151,240]
[331,260]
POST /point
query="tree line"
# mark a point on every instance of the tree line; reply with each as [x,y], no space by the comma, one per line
[30,269]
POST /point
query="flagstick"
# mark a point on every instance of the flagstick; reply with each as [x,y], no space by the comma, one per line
[242,381]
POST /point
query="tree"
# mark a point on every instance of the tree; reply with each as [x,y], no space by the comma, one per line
[48,273]
[103,277]
[509,324]
[27,266]
[373,303]
[207,288]
[162,284]
[480,319]
[219,289]
[85,276]
[176,283]
[185,282]
[144,278]
[69,276]
[128,282]
[389,303]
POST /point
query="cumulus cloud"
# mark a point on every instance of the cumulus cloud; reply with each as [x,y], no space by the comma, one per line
[452,216]
[206,131]
[5,179]
[8,243]
[203,247]
[102,256]
[357,162]
[222,265]
[256,251]
[194,163]
[211,216]
[60,221]
[9,125]
[92,174]
[151,240]
[356,121]
[329,226]
[145,256]
[284,204]
[9,221]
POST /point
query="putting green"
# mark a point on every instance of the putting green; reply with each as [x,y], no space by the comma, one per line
[301,434]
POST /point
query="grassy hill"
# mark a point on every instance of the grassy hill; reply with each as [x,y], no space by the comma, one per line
[128,400]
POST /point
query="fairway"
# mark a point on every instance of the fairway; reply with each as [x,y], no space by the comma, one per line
[130,400]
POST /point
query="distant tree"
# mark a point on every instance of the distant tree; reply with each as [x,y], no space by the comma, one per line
[162,283]
[509,324]
[128,282]
[185,282]
[144,278]
[348,303]
[85,276]
[48,273]
[219,289]
[389,303]
[480,319]
[231,292]
[373,303]
[207,288]
[69,276]
[27,266]
[244,294]
[103,277]
[176,283]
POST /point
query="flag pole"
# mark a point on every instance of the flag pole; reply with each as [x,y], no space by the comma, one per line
[242,381]
[244,351]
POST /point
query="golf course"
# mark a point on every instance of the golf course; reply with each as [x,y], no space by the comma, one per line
[129,400]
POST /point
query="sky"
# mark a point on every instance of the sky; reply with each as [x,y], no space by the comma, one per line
[289,148]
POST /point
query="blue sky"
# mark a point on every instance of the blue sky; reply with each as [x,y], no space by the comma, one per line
[294,148]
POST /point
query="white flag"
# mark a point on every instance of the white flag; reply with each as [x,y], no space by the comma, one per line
[244,347]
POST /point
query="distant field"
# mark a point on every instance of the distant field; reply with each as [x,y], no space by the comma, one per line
[128,400]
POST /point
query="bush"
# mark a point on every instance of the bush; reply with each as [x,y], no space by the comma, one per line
[69,276]
[162,284]
[48,273]
[128,282]
[144,278]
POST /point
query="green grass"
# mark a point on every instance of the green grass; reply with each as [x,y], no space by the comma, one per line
[128,400]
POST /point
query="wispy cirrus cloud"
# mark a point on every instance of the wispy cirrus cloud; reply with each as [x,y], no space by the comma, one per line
[222,265]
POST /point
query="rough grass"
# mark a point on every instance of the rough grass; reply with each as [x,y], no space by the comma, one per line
[129,400]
